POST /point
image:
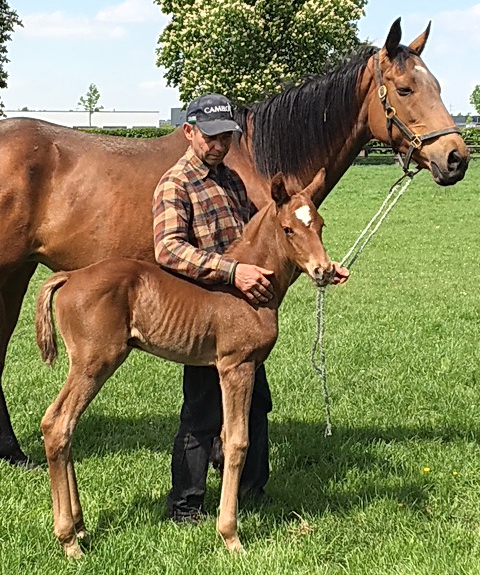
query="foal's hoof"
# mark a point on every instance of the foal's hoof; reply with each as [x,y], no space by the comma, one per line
[73,551]
[237,547]
[233,544]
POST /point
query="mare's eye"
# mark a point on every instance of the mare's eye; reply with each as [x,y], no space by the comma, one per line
[404,91]
[288,231]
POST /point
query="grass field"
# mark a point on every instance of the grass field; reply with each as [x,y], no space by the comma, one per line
[395,490]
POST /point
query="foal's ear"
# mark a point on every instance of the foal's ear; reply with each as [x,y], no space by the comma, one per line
[418,44]
[279,191]
[393,39]
[316,185]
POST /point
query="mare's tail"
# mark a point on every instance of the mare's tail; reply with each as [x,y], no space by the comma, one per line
[46,337]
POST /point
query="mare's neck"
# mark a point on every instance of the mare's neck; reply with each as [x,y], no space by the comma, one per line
[261,245]
[336,158]
[342,154]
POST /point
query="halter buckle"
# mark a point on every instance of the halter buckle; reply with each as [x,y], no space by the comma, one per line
[382,92]
[416,142]
[390,112]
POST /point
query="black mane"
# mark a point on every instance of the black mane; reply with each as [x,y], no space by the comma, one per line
[292,126]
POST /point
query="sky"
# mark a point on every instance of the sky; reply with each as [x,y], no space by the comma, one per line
[67,45]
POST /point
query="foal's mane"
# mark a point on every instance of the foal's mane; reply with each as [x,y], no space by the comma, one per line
[291,127]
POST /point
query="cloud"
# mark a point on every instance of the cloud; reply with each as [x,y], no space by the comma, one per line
[59,25]
[131,11]
[111,23]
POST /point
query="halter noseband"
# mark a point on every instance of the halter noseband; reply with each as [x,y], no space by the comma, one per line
[416,140]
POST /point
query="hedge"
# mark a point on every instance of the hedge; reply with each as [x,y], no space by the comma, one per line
[146,132]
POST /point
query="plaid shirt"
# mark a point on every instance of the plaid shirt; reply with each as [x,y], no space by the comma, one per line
[197,213]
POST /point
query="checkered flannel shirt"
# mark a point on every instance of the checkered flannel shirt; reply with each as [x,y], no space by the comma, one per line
[197,214]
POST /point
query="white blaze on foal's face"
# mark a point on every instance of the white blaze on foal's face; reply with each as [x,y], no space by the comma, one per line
[304,214]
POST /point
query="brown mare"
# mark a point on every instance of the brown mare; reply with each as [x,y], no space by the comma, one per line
[69,199]
[107,309]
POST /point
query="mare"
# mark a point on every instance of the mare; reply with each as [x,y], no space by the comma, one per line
[69,199]
[107,309]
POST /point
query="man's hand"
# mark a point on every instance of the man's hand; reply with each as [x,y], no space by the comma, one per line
[251,280]
[341,274]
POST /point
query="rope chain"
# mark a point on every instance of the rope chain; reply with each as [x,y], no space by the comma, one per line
[350,258]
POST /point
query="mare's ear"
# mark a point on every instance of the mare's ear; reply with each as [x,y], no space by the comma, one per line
[418,44]
[279,191]
[316,185]
[393,39]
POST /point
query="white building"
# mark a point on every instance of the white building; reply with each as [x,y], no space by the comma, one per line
[102,119]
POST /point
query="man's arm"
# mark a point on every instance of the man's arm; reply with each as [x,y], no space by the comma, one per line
[171,214]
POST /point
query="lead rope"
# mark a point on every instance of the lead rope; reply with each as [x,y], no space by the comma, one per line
[392,198]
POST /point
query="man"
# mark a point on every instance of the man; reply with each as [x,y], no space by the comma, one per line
[200,207]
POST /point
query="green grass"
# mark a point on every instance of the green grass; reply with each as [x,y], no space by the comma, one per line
[403,364]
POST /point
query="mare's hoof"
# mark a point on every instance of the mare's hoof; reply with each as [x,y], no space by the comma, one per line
[21,460]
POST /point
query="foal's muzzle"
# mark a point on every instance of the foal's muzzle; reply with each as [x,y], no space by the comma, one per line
[322,277]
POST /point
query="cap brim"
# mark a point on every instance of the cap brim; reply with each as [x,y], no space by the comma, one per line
[215,127]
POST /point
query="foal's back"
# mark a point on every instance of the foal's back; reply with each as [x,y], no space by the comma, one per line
[120,304]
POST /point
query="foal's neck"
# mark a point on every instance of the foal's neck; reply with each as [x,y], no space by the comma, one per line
[262,245]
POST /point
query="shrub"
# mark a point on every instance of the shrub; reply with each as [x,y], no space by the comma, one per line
[138,132]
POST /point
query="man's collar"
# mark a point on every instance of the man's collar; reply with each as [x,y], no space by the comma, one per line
[200,169]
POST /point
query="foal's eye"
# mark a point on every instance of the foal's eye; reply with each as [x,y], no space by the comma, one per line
[404,91]
[288,231]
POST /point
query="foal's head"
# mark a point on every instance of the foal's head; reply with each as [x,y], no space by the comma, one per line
[301,228]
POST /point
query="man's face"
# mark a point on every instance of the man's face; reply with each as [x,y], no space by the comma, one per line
[210,149]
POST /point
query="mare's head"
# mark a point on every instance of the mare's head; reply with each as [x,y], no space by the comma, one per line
[299,229]
[406,108]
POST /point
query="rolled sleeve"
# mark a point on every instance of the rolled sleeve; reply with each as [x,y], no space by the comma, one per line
[172,211]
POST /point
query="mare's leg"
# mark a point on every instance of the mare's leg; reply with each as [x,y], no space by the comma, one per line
[12,291]
[87,374]
[237,384]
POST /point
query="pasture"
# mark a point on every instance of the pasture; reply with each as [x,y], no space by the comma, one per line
[395,490]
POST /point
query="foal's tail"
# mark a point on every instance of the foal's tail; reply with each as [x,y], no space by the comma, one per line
[46,337]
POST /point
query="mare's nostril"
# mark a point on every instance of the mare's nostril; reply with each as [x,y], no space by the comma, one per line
[454,160]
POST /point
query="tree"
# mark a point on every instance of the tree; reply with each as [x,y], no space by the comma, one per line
[248,49]
[90,101]
[8,20]
[475,98]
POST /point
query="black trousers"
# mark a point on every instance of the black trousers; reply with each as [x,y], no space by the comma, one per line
[200,423]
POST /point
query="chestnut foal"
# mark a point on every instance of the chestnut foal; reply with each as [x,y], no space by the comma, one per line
[105,310]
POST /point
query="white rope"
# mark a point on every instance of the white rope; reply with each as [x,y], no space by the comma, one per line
[351,257]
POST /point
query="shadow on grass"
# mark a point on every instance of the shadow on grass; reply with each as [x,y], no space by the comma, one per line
[311,474]
[98,434]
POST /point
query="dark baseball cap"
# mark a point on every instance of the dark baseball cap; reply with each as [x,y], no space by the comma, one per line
[212,114]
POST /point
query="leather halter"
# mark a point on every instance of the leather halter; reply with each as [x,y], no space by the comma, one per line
[416,140]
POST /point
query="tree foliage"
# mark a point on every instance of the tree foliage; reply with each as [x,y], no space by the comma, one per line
[475,98]
[8,20]
[248,49]
[89,102]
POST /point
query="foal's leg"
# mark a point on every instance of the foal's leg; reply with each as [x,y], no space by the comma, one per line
[237,384]
[84,381]
[77,513]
